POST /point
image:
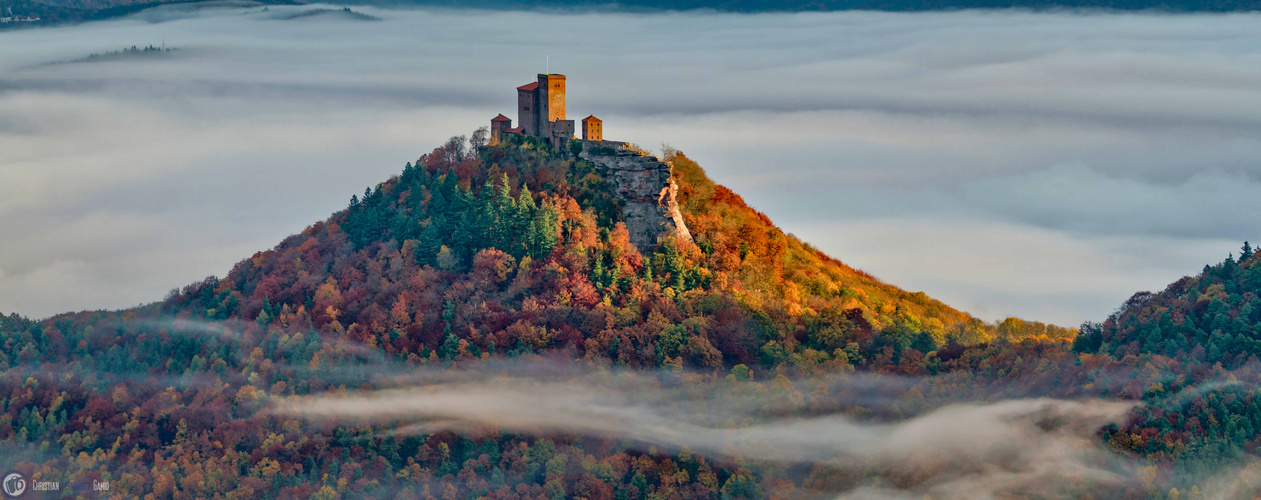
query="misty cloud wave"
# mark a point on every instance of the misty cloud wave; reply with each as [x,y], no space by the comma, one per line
[958,450]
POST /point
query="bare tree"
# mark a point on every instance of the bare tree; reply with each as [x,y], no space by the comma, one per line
[455,149]
[479,138]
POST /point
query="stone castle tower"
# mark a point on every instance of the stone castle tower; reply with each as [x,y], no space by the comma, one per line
[541,109]
[551,99]
[527,108]
[541,103]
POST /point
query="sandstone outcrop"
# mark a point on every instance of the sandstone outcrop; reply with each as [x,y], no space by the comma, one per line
[644,185]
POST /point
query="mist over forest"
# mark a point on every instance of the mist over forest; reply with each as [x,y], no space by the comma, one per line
[271,251]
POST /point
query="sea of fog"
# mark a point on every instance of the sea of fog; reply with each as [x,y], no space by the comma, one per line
[1043,165]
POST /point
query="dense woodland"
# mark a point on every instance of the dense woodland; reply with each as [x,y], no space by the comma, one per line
[516,251]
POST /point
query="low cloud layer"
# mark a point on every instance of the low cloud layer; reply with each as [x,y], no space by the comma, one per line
[1040,165]
[962,450]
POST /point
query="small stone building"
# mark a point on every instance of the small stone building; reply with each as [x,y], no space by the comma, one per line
[498,125]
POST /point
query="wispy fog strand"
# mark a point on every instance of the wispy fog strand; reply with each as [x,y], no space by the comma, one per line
[958,450]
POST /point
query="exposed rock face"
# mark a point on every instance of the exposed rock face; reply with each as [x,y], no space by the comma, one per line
[644,184]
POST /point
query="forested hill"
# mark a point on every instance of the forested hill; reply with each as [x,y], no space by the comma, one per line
[480,250]
[501,249]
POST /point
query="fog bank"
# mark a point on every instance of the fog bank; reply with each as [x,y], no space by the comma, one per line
[1001,449]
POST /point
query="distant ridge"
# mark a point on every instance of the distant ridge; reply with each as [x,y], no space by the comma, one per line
[89,10]
[750,6]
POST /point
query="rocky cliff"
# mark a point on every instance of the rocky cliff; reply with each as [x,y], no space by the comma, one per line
[644,184]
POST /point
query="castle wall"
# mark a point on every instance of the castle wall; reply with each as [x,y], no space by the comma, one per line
[644,185]
[562,132]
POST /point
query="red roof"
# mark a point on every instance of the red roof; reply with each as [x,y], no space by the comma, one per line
[515,130]
[501,118]
[529,86]
[591,118]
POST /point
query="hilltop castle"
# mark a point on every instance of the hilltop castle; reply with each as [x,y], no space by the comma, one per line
[642,181]
[541,113]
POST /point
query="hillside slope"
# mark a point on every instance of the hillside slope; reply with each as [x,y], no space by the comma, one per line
[507,248]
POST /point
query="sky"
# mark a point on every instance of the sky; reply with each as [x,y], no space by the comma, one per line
[1039,165]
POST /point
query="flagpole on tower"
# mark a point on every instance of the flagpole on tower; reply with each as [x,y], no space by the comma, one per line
[548,64]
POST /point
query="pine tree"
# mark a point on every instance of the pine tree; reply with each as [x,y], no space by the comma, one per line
[449,348]
[544,231]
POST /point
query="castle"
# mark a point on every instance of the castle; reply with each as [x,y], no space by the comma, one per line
[541,113]
[642,182]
